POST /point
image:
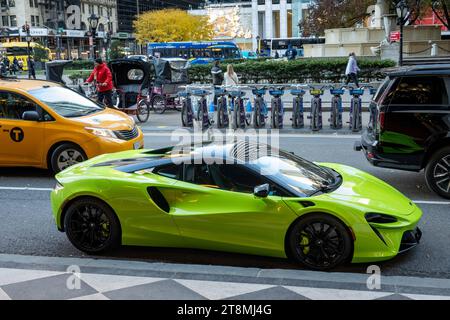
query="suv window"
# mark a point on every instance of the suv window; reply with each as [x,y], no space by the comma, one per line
[12,105]
[420,90]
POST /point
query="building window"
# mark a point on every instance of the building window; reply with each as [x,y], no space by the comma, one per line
[261,2]
[13,20]
[5,21]
[100,11]
[12,3]
[31,3]
[82,7]
[37,20]
[32,21]
[36,4]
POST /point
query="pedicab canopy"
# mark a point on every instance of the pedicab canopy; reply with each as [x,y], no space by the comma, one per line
[54,70]
[171,70]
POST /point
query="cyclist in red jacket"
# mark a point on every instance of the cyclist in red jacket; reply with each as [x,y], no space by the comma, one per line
[103,77]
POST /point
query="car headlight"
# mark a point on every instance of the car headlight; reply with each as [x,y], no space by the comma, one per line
[100,132]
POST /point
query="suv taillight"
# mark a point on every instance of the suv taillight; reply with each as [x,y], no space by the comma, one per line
[381,116]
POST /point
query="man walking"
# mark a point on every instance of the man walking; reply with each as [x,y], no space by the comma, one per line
[31,69]
[352,70]
[217,77]
[103,77]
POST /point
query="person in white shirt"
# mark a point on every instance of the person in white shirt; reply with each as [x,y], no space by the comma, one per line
[352,70]
[230,77]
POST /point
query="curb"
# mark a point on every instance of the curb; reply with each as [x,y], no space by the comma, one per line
[305,278]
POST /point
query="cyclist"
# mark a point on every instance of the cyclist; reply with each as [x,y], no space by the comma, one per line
[103,77]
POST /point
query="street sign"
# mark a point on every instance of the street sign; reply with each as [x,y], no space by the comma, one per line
[394,36]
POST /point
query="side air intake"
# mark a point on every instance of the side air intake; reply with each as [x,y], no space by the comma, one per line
[158,198]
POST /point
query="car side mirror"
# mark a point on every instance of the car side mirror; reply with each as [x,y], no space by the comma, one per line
[262,191]
[30,116]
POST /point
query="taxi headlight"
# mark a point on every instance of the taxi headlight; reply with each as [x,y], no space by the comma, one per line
[100,132]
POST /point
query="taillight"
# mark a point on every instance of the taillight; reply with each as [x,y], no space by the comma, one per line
[381,116]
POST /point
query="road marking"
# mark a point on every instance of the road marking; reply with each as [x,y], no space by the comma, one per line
[283,135]
[431,202]
[26,188]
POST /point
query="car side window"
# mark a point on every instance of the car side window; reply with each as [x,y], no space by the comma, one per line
[238,178]
[12,105]
[198,174]
[172,171]
[420,91]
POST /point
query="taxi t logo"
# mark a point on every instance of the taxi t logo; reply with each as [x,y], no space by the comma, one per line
[16,134]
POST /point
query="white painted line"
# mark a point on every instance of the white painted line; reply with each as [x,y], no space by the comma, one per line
[431,202]
[282,135]
[26,188]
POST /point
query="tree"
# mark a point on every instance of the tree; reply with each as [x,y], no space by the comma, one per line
[328,14]
[441,10]
[40,53]
[171,25]
[116,50]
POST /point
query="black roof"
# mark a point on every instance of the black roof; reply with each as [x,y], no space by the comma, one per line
[416,70]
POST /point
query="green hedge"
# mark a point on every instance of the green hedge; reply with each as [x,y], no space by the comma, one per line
[313,70]
[81,65]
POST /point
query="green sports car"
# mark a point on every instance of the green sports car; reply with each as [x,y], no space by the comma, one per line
[238,197]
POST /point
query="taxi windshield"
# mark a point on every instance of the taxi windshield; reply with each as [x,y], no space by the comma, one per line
[66,102]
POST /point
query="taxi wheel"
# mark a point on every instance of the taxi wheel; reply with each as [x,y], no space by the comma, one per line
[65,156]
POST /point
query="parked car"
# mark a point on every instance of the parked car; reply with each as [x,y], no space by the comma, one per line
[249,54]
[237,197]
[410,124]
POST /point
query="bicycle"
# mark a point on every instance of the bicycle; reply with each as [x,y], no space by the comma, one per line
[277,109]
[260,112]
[187,113]
[316,108]
[336,108]
[239,117]
[298,120]
[222,109]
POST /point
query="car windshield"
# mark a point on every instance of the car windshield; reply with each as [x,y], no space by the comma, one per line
[299,175]
[66,102]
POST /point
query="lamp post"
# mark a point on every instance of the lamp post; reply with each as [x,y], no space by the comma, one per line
[402,12]
[26,30]
[93,23]
[258,44]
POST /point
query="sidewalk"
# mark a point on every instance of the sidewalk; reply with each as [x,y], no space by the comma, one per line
[34,277]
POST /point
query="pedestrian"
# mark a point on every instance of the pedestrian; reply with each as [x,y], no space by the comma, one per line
[103,77]
[15,65]
[231,78]
[6,65]
[277,55]
[31,68]
[352,70]
[217,77]
[20,64]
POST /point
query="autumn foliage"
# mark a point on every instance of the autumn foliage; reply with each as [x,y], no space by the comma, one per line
[171,25]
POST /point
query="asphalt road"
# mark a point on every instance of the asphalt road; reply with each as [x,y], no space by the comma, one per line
[27,226]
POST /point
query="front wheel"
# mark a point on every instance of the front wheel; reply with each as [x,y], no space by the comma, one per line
[65,156]
[143,111]
[437,172]
[320,242]
[92,226]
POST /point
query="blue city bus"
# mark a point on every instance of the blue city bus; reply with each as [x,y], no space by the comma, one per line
[201,52]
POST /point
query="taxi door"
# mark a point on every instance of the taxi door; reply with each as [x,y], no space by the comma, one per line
[21,141]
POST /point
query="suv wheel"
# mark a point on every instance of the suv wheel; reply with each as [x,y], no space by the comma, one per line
[437,172]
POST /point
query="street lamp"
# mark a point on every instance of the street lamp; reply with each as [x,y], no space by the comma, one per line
[258,44]
[402,12]
[93,23]
[26,30]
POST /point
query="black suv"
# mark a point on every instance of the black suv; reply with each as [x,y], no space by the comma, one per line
[410,124]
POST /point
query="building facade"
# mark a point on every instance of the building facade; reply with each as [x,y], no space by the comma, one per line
[266,19]
[61,25]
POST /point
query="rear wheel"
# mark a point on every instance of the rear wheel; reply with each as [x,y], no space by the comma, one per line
[437,172]
[320,242]
[158,104]
[65,156]
[92,226]
[143,111]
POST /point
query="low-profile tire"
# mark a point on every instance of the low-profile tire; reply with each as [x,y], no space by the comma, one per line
[92,226]
[437,172]
[65,156]
[319,242]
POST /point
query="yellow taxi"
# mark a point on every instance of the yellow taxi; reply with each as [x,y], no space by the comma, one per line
[47,125]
